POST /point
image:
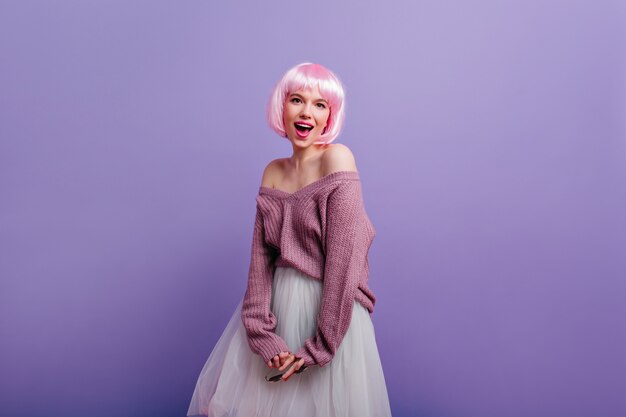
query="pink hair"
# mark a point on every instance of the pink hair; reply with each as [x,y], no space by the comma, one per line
[303,76]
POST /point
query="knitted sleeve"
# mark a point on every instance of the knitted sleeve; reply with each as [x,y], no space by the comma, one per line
[346,252]
[256,314]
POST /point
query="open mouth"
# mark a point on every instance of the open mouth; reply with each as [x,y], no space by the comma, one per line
[303,128]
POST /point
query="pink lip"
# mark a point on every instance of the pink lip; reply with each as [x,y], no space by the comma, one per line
[303,135]
[303,123]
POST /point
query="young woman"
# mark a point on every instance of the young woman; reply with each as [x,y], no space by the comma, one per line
[304,321]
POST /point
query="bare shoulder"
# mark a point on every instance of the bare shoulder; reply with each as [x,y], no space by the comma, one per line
[338,157]
[272,172]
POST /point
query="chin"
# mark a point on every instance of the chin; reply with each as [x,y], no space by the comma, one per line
[304,143]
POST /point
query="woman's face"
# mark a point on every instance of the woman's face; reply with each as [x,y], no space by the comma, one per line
[305,116]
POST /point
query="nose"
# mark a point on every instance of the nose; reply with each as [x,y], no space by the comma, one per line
[305,113]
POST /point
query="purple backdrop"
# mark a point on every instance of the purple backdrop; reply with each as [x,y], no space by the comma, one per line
[491,141]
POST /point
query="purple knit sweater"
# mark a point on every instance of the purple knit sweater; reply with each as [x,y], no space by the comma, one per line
[323,231]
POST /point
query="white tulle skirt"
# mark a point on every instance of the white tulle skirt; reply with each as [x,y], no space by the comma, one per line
[232,381]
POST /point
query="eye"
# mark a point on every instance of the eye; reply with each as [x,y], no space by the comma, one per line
[293,100]
[321,105]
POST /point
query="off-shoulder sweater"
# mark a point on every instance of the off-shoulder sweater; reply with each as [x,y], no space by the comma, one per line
[322,230]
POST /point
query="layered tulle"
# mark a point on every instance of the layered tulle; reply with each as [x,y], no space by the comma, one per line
[232,381]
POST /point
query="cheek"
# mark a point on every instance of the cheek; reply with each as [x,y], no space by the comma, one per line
[287,114]
[290,112]
[325,118]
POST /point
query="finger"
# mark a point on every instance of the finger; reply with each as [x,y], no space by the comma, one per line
[272,361]
[287,374]
[282,356]
[296,367]
[287,361]
[287,356]
[276,361]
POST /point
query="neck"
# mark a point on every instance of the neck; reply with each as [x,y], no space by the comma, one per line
[303,157]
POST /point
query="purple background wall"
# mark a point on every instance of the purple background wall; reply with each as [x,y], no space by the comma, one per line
[490,137]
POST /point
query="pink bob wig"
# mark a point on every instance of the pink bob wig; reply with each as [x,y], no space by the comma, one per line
[303,76]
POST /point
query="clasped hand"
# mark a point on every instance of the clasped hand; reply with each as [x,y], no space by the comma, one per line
[283,360]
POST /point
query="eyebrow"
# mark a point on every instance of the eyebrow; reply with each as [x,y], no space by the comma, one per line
[301,96]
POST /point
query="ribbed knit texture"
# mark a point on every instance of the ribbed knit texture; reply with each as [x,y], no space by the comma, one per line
[323,231]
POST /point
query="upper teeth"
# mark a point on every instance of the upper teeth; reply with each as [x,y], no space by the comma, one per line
[303,125]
